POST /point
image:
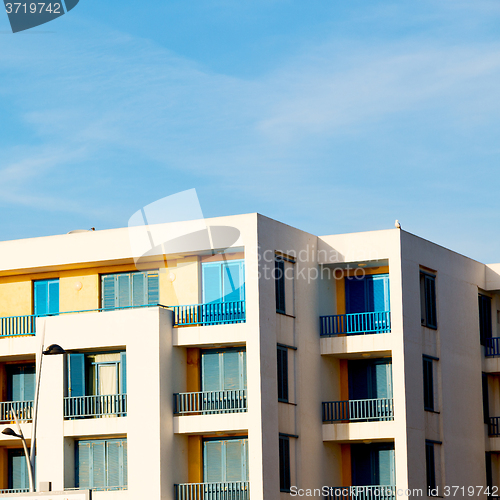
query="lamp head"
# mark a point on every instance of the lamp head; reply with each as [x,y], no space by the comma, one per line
[54,349]
[9,432]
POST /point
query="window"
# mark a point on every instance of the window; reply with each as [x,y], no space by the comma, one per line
[96,374]
[282,374]
[430,465]
[428,383]
[367,294]
[130,289]
[373,464]
[21,382]
[18,476]
[284,452]
[46,295]
[485,326]
[428,300]
[223,370]
[225,460]
[279,276]
[370,379]
[486,400]
[101,464]
[223,281]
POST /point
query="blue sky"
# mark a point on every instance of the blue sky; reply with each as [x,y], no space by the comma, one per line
[333,116]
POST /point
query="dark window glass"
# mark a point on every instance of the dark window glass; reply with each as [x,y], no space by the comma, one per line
[430,465]
[279,276]
[485,327]
[428,300]
[282,374]
[284,463]
[428,385]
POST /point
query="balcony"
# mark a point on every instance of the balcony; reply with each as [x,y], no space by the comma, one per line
[355,324]
[382,492]
[362,410]
[15,326]
[238,490]
[216,313]
[494,427]
[492,347]
[14,490]
[95,406]
[210,402]
[23,410]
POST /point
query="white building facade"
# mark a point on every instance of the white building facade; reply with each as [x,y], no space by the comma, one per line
[250,360]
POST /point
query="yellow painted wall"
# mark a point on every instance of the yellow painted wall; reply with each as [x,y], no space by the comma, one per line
[180,283]
[195,462]
[15,296]
[346,464]
[193,370]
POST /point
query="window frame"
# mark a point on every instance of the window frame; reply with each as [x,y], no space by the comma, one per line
[428,300]
[279,284]
[485,318]
[284,463]
[283,385]
[430,465]
[428,382]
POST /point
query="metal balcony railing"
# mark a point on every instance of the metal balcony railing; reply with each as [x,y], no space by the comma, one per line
[355,324]
[492,347]
[359,410]
[238,490]
[382,492]
[23,410]
[218,313]
[14,490]
[14,326]
[95,406]
[494,427]
[188,403]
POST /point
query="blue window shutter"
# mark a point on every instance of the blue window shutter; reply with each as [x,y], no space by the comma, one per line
[138,289]
[76,376]
[355,295]
[41,297]
[123,373]
[124,292]
[53,297]
[385,459]
[211,371]
[29,382]
[108,291]
[99,464]
[213,462]
[244,369]
[153,288]
[211,282]
[235,460]
[124,463]
[233,286]
[83,463]
[231,370]
[378,293]
[113,456]
[17,470]
[15,388]
[382,386]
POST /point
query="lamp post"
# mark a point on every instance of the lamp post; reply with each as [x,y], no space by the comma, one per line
[53,349]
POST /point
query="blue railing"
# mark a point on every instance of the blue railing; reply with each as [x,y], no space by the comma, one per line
[23,410]
[382,492]
[95,406]
[218,313]
[358,410]
[233,401]
[237,490]
[355,324]
[14,326]
[492,346]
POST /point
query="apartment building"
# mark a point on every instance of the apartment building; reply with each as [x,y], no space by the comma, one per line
[249,360]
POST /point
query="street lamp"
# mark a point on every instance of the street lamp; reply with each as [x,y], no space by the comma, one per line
[30,457]
[19,434]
